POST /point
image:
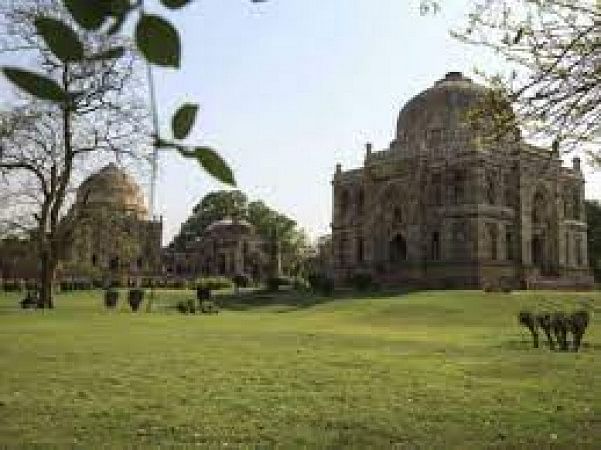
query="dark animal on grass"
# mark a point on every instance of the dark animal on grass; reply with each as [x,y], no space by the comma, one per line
[543,320]
[111,298]
[135,298]
[578,323]
[30,301]
[528,320]
[560,324]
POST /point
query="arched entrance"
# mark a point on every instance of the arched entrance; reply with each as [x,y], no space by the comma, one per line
[398,249]
[542,243]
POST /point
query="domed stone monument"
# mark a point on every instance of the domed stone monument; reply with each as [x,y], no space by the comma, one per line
[444,207]
[110,234]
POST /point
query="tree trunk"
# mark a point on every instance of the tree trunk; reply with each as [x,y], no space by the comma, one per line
[47,273]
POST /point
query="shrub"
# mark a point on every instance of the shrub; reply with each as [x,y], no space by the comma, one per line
[135,298]
[12,286]
[182,307]
[274,283]
[111,297]
[203,293]
[321,284]
[214,283]
[192,306]
[300,284]
[362,282]
[209,307]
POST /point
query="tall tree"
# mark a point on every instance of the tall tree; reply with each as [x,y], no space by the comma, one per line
[88,107]
[552,49]
[213,206]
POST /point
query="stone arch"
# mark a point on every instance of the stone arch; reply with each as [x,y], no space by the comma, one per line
[360,200]
[345,201]
[542,244]
[540,205]
[397,249]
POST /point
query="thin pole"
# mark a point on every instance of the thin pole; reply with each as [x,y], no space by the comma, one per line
[155,152]
[155,130]
[155,149]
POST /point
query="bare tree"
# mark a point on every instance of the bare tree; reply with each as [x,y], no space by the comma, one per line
[553,52]
[45,145]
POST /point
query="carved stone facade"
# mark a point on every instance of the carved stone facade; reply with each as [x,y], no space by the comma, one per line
[441,208]
[226,248]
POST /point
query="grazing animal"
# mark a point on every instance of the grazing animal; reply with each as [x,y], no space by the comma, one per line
[578,323]
[528,320]
[560,324]
[543,320]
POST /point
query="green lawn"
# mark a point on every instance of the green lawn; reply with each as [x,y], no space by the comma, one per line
[423,370]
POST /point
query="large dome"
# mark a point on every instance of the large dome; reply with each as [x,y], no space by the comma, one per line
[443,108]
[112,188]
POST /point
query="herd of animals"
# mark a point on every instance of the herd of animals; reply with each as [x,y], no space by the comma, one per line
[557,327]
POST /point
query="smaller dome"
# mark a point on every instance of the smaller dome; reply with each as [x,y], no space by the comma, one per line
[112,188]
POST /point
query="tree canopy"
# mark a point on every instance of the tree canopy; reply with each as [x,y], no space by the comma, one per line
[552,49]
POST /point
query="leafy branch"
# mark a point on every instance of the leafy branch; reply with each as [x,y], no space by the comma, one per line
[156,39]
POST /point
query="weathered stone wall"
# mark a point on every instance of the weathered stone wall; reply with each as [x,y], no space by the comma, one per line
[440,207]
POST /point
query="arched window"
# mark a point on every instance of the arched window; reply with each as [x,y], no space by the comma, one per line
[509,192]
[576,204]
[491,190]
[360,256]
[398,215]
[578,245]
[94,260]
[436,246]
[344,202]
[493,240]
[398,249]
[509,244]
[360,201]
[458,187]
[436,189]
[114,263]
[538,208]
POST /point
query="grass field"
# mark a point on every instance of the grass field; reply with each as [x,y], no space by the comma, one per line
[422,370]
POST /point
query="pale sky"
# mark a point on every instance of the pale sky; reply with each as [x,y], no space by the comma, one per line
[288,88]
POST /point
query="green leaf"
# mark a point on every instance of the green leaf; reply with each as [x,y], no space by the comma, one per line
[118,9]
[36,85]
[211,162]
[60,39]
[88,14]
[158,41]
[183,121]
[112,53]
[175,4]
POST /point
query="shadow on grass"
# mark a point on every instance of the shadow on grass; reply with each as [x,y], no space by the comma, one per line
[291,300]
[525,344]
